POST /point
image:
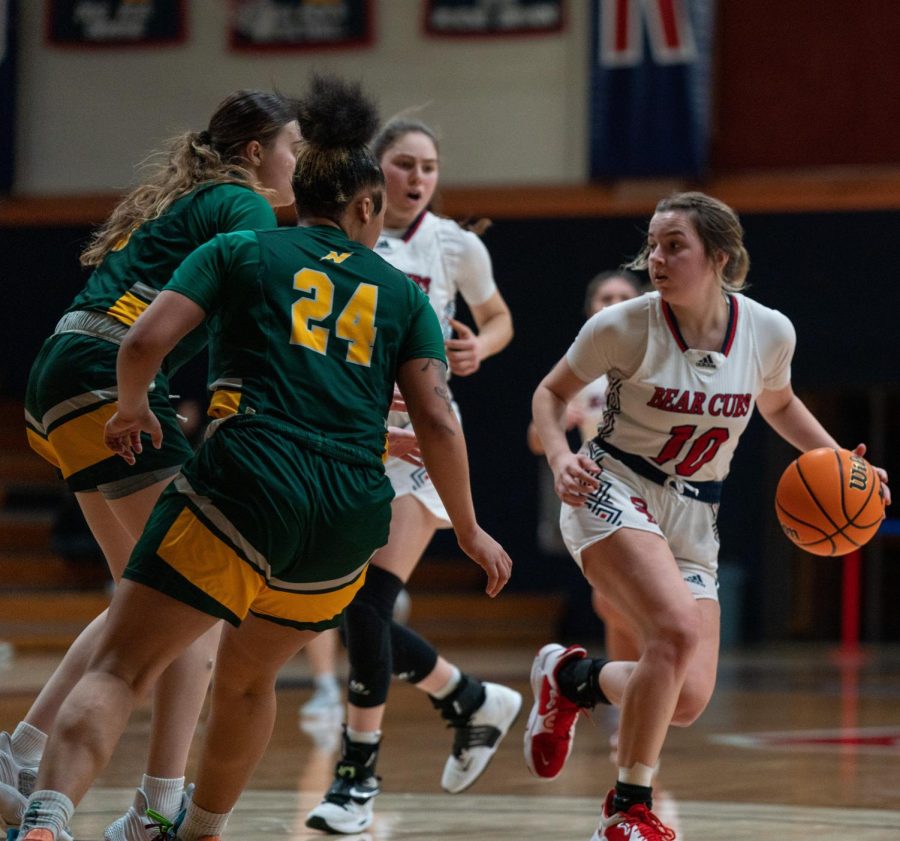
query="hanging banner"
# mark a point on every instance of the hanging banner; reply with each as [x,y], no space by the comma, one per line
[650,87]
[300,24]
[489,17]
[7,93]
[115,23]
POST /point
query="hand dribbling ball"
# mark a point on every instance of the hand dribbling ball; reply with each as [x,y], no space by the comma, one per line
[829,501]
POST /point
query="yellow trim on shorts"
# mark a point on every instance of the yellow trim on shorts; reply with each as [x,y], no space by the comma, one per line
[78,443]
[42,447]
[306,607]
[209,564]
[127,308]
[215,568]
[224,403]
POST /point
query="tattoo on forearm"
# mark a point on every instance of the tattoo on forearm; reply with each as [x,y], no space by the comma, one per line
[444,393]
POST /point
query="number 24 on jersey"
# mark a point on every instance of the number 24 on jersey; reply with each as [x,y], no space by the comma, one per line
[355,324]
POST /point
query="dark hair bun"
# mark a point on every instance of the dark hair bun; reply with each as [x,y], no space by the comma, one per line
[336,114]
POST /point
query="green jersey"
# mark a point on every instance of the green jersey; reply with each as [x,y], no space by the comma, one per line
[307,328]
[131,275]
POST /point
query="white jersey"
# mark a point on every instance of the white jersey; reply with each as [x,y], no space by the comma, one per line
[443,259]
[681,409]
[590,402]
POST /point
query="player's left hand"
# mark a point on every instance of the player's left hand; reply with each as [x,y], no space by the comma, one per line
[403,444]
[860,450]
[490,556]
[123,434]
[463,352]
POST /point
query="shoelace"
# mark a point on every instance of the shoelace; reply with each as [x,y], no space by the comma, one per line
[165,827]
[475,736]
[647,817]
[339,793]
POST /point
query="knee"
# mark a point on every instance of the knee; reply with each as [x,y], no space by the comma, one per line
[675,640]
[246,687]
[367,624]
[114,670]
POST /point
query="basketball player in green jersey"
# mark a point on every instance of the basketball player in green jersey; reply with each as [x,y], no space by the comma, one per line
[271,525]
[225,178]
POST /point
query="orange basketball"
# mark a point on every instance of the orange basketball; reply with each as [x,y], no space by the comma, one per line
[829,502]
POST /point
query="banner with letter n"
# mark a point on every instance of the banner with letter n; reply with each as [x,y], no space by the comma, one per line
[300,24]
[468,18]
[650,87]
[115,23]
[7,93]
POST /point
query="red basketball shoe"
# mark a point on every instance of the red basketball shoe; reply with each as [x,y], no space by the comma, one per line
[551,725]
[637,824]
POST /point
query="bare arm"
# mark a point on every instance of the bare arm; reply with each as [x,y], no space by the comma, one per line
[495,331]
[164,323]
[788,416]
[574,474]
[424,387]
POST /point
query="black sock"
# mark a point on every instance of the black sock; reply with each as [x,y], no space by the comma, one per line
[359,753]
[468,696]
[579,681]
[627,795]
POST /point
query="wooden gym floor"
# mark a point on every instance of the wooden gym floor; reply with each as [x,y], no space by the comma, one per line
[798,743]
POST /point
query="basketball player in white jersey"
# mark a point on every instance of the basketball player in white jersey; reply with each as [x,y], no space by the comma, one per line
[444,259]
[686,364]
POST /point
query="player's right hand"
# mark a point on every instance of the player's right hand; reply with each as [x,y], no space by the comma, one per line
[123,435]
[403,444]
[574,478]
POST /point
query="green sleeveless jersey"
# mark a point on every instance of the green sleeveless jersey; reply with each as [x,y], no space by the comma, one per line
[307,328]
[131,275]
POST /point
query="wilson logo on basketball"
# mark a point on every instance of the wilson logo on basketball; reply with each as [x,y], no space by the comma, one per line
[859,475]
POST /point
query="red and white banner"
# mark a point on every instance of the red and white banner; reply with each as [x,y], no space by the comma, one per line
[650,87]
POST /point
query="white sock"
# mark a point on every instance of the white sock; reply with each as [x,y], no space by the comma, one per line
[47,810]
[163,794]
[325,682]
[198,822]
[28,743]
[364,737]
[449,686]
[637,775]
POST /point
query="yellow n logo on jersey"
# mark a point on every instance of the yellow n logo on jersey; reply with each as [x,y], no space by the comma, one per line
[335,257]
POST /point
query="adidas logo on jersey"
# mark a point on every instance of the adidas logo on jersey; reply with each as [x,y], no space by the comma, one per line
[694,578]
[707,362]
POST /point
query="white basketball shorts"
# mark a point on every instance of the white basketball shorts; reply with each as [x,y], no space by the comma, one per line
[627,500]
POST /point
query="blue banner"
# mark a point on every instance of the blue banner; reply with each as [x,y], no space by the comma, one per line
[7,93]
[650,87]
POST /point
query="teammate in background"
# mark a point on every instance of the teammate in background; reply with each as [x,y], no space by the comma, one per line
[586,411]
[272,523]
[225,178]
[443,259]
[686,365]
